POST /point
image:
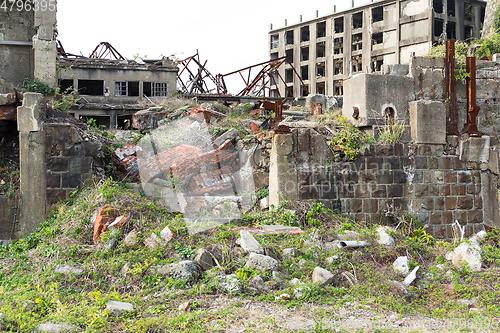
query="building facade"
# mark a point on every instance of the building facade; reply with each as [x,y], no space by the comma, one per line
[326,50]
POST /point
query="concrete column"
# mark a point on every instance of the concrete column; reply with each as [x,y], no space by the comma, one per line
[283,181]
[45,46]
[489,193]
[398,32]
[460,16]
[32,162]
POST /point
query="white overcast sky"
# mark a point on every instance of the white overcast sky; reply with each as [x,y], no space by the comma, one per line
[229,34]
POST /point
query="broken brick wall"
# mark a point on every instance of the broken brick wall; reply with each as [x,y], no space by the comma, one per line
[427,180]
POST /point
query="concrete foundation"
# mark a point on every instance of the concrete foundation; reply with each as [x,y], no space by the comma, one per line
[428,122]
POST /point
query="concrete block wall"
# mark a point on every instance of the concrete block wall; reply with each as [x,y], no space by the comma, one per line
[70,161]
[438,183]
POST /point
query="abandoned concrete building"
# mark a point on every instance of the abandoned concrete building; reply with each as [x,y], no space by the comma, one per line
[326,50]
[110,87]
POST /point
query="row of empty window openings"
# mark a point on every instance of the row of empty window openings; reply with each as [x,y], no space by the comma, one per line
[338,89]
[450,31]
[121,88]
[450,10]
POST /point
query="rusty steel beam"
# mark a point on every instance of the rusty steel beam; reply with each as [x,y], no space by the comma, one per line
[196,82]
[472,108]
[105,49]
[450,93]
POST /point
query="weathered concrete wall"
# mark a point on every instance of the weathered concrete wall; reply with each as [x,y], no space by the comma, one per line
[491,8]
[438,183]
[8,216]
[16,53]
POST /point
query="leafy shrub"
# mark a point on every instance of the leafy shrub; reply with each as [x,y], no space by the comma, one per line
[37,86]
[349,138]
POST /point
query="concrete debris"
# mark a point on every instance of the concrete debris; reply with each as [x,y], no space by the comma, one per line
[300,292]
[118,223]
[281,228]
[125,161]
[152,241]
[331,259]
[131,238]
[286,297]
[105,217]
[301,263]
[149,119]
[277,275]
[110,243]
[249,243]
[465,253]
[204,259]
[117,308]
[261,262]
[68,270]
[54,328]
[186,270]
[402,265]
[290,253]
[257,283]
[166,234]
[185,306]
[383,236]
[321,275]
[331,246]
[231,134]
[230,283]
[478,238]
[411,277]
[295,282]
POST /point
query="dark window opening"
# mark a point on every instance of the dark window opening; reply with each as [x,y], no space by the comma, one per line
[357,42]
[338,67]
[133,88]
[438,6]
[124,122]
[320,88]
[66,84]
[357,20]
[304,72]
[377,38]
[289,37]
[451,31]
[321,29]
[274,55]
[304,90]
[450,7]
[339,25]
[482,13]
[275,41]
[289,92]
[155,89]
[357,64]
[338,45]
[321,69]
[274,93]
[320,49]
[376,64]
[304,34]
[468,11]
[304,53]
[289,55]
[127,88]
[389,114]
[378,14]
[289,75]
[438,28]
[468,32]
[99,120]
[338,88]
[91,87]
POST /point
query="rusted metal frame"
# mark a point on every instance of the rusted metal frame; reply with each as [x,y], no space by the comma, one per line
[251,85]
[106,47]
[303,84]
[275,65]
[472,108]
[450,93]
[269,73]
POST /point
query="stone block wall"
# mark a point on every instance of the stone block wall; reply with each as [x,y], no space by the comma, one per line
[438,183]
[71,161]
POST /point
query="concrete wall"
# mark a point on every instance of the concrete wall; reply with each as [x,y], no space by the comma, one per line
[438,183]
[8,216]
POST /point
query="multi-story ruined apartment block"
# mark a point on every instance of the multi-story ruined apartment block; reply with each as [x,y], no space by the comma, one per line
[326,50]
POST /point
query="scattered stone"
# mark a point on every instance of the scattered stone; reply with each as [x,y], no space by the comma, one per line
[66,269]
[261,262]
[331,259]
[5,242]
[301,263]
[295,282]
[258,284]
[110,244]
[286,297]
[402,264]
[249,243]
[411,277]
[274,285]
[117,223]
[301,291]
[238,251]
[125,269]
[230,134]
[131,238]
[277,275]
[230,283]
[399,287]
[478,238]
[291,252]
[166,234]
[204,259]
[55,328]
[348,235]
[383,236]
[185,306]
[321,275]
[183,270]
[474,310]
[331,246]
[116,307]
[105,216]
[465,253]
[270,252]
[280,228]
[152,241]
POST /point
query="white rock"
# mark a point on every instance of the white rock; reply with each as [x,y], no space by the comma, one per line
[277,275]
[66,269]
[290,252]
[331,259]
[230,283]
[295,282]
[300,292]
[383,236]
[55,328]
[321,275]
[331,246]
[249,243]
[152,241]
[131,238]
[204,259]
[118,307]
[301,263]
[465,253]
[166,234]
[261,262]
[349,235]
[402,264]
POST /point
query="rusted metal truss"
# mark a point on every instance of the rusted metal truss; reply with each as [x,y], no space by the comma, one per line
[277,107]
[450,94]
[267,76]
[106,51]
[194,78]
[62,52]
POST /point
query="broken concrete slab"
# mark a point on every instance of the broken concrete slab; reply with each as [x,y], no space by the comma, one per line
[466,254]
[68,270]
[229,283]
[166,235]
[262,262]
[402,265]
[249,243]
[383,236]
[230,134]
[475,149]
[53,328]
[116,307]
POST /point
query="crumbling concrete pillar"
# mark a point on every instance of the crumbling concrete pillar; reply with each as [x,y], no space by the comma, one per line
[283,180]
[45,45]
[428,122]
[32,162]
